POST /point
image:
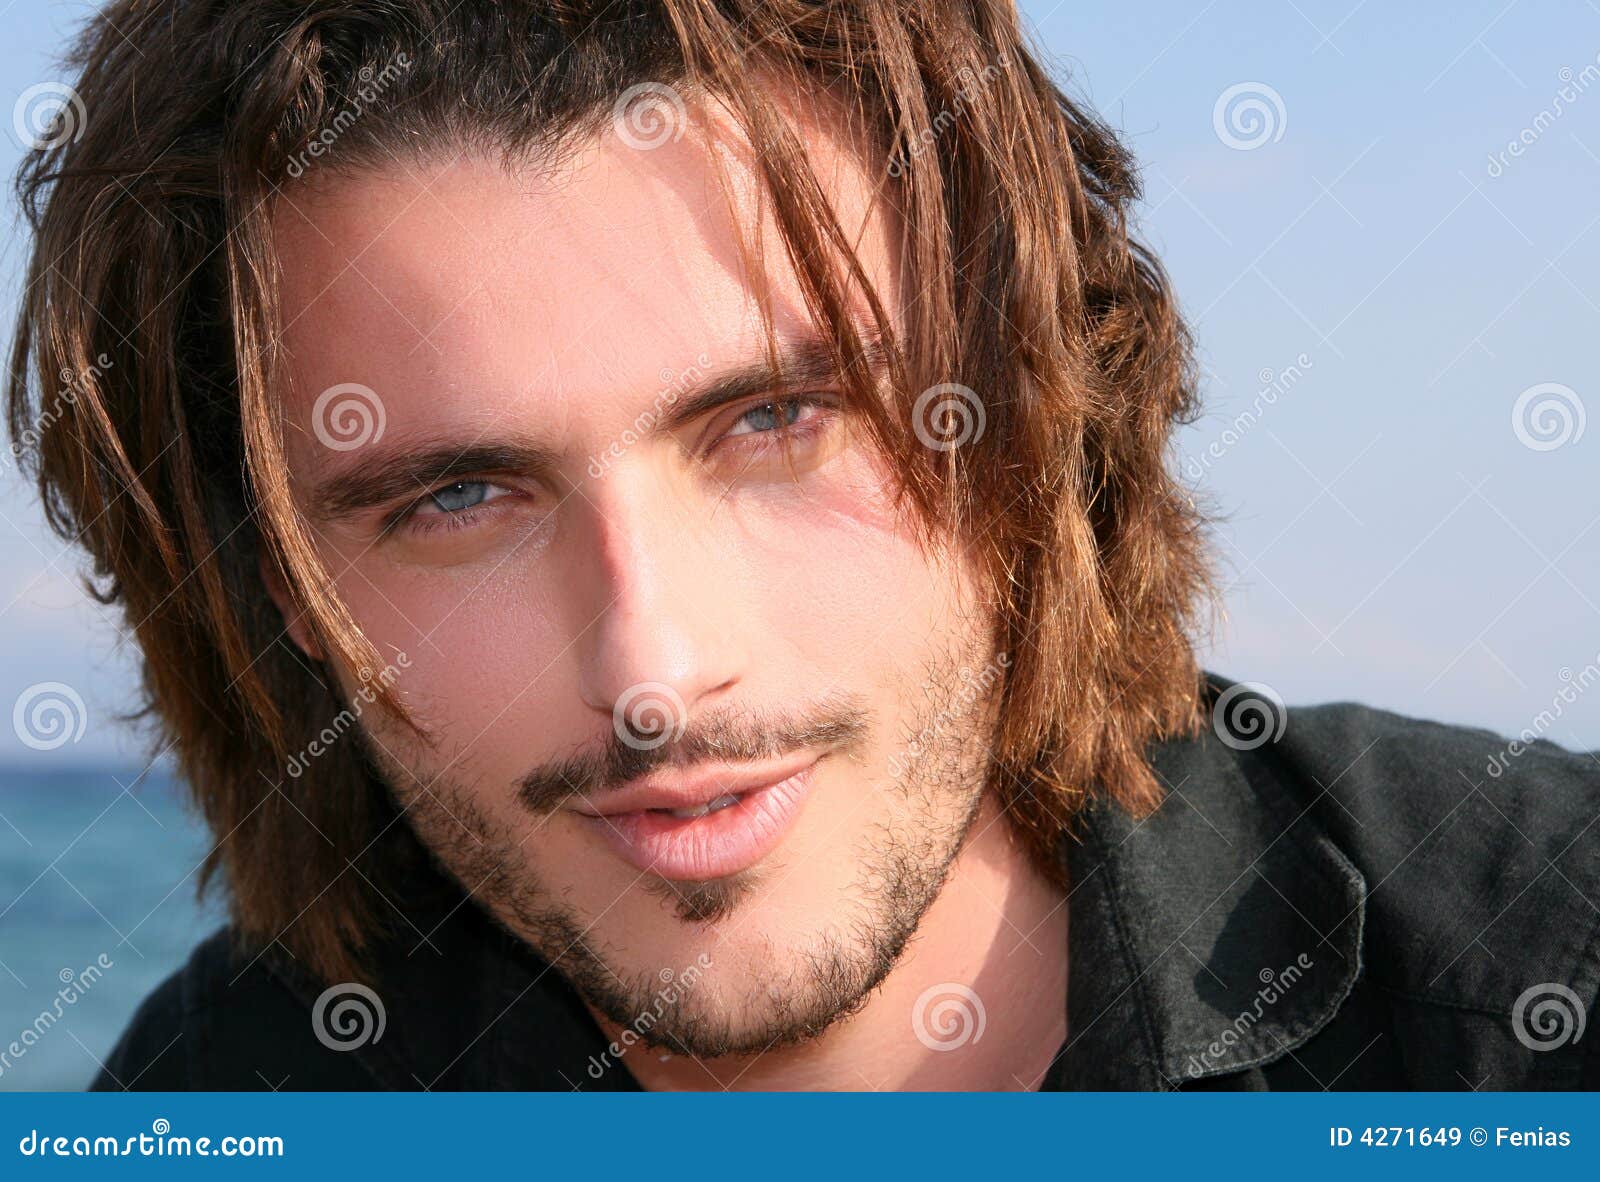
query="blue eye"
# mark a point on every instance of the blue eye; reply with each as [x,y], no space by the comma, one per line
[452,507]
[769,416]
[463,495]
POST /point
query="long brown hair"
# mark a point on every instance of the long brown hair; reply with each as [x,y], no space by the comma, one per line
[145,362]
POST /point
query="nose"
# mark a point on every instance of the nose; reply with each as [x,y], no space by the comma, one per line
[666,639]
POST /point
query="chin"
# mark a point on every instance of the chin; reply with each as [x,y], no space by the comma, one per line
[762,988]
[769,958]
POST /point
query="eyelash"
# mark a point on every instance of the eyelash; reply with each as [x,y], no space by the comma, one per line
[787,434]
[411,520]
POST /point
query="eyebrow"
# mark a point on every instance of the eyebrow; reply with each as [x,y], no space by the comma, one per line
[802,362]
[382,474]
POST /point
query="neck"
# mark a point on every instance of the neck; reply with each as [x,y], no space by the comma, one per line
[991,951]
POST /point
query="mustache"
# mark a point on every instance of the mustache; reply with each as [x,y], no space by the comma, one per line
[839,722]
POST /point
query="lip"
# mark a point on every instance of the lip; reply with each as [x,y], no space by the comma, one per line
[669,791]
[716,844]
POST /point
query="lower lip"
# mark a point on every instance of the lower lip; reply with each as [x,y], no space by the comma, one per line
[713,846]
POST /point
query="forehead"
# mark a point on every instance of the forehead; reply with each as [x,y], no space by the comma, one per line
[461,281]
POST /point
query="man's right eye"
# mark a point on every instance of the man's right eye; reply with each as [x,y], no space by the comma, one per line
[463,494]
[451,506]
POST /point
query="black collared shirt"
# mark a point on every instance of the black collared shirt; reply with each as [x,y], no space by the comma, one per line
[1360,903]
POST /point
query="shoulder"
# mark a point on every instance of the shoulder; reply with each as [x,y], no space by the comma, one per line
[225,1022]
[1439,760]
[1481,856]
[1415,801]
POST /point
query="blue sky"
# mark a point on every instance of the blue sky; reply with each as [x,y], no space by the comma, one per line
[1392,532]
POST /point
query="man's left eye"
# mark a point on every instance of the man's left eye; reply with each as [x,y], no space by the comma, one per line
[769,416]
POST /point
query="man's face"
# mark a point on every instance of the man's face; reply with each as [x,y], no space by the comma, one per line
[616,600]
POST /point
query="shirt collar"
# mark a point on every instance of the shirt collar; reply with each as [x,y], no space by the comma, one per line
[1216,934]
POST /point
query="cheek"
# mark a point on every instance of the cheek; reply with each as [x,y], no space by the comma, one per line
[840,576]
[482,651]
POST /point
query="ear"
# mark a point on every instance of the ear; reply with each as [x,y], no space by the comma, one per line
[294,620]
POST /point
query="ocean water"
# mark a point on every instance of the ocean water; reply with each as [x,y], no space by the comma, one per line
[96,871]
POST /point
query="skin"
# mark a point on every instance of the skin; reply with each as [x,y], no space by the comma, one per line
[555,307]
